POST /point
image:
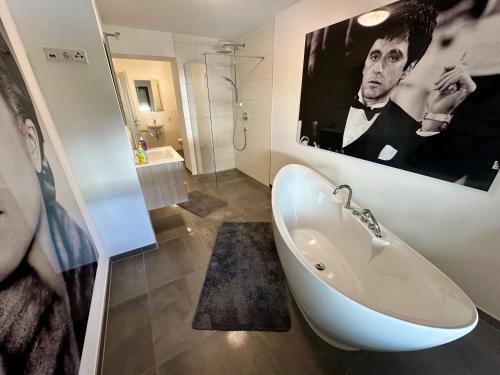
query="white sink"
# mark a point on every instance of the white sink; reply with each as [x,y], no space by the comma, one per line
[159,155]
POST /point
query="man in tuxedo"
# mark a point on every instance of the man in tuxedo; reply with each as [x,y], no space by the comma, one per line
[360,119]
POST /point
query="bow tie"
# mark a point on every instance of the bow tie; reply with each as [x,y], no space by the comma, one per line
[369,112]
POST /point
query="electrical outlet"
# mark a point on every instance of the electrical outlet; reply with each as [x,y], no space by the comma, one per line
[80,55]
[51,54]
[68,55]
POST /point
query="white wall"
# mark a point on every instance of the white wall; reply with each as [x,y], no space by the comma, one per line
[83,104]
[455,227]
[255,82]
[168,116]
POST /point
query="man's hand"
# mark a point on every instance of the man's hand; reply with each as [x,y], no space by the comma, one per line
[452,87]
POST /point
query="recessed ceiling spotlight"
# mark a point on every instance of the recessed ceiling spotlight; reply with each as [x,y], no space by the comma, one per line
[373,18]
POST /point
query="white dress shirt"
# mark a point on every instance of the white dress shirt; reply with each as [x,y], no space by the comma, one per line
[357,123]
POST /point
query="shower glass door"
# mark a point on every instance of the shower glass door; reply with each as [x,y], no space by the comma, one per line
[197,92]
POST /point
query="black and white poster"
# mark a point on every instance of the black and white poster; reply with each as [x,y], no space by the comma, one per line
[47,259]
[413,85]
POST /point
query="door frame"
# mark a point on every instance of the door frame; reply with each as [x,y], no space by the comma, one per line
[182,106]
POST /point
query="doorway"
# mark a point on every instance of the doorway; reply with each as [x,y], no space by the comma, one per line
[151,102]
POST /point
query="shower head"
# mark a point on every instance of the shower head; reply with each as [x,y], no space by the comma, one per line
[235,89]
[233,45]
[229,48]
[224,52]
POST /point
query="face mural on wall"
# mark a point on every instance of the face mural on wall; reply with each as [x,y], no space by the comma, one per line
[413,85]
[47,260]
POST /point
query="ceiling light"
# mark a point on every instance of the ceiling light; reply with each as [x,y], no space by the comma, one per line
[373,18]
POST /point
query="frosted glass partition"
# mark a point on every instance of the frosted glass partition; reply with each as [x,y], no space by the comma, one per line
[210,99]
[197,91]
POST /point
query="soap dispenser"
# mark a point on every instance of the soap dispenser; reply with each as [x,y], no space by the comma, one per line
[143,144]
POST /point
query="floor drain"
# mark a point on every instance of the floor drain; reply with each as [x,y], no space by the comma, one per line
[320,266]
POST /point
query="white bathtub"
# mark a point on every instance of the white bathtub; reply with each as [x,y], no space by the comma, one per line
[373,294]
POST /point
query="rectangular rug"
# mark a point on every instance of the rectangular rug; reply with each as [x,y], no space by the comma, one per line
[202,204]
[245,288]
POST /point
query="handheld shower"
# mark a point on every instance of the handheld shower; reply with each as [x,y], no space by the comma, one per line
[235,89]
[230,80]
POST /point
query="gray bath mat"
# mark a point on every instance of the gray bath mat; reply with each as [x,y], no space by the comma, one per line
[244,287]
[202,204]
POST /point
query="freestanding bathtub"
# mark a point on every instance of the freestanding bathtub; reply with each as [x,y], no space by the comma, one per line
[373,294]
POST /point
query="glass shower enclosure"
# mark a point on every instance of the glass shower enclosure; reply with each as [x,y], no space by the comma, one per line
[211,104]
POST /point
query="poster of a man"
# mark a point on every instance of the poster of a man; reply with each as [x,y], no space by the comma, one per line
[396,86]
[47,259]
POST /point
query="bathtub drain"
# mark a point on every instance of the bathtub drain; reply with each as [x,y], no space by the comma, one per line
[320,266]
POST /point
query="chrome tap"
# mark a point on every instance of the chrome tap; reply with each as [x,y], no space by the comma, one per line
[367,215]
[349,196]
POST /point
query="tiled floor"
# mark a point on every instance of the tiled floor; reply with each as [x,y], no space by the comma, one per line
[153,297]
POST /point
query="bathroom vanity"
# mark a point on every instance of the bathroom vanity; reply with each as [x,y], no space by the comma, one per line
[162,179]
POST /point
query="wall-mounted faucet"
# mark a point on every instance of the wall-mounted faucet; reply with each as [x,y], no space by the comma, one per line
[349,196]
[367,215]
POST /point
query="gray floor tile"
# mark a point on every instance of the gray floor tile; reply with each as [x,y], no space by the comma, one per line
[224,214]
[128,279]
[129,343]
[233,189]
[475,354]
[372,365]
[174,259]
[262,215]
[172,307]
[151,371]
[208,235]
[232,175]
[172,226]
[247,203]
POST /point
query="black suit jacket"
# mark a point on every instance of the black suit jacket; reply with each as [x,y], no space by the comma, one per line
[393,127]
[470,146]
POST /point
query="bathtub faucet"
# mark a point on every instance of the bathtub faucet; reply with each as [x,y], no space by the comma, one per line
[349,196]
[367,215]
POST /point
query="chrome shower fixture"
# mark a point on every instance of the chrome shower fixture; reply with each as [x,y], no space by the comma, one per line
[224,52]
[233,45]
[116,34]
[238,103]
[230,81]
[229,48]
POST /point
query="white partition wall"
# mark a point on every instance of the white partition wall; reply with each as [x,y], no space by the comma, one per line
[83,104]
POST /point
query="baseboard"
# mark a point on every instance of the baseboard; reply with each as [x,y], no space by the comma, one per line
[491,320]
[137,251]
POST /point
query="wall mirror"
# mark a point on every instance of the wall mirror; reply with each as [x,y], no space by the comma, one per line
[148,95]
